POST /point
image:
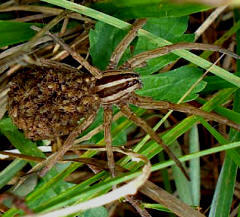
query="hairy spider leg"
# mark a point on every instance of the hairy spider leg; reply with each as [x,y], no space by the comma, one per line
[108,115]
[93,70]
[148,103]
[143,124]
[124,43]
[139,59]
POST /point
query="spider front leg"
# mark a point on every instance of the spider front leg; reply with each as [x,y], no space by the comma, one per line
[141,123]
[122,46]
[52,160]
[93,70]
[108,114]
[141,58]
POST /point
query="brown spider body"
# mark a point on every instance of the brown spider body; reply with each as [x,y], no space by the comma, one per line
[46,103]
[49,102]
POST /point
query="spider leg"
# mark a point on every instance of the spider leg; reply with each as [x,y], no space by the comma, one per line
[52,160]
[138,59]
[148,103]
[42,62]
[141,123]
[122,46]
[93,70]
[108,115]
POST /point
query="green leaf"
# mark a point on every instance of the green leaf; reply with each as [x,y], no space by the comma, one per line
[103,39]
[171,85]
[10,171]
[24,145]
[9,31]
[146,8]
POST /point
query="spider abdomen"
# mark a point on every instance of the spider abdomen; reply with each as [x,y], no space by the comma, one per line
[46,103]
[116,85]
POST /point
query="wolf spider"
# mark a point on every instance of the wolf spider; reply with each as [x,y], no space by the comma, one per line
[114,87]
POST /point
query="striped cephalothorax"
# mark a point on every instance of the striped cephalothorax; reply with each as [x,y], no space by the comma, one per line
[48,102]
[116,85]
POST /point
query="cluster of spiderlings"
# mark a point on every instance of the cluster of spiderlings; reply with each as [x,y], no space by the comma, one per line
[46,103]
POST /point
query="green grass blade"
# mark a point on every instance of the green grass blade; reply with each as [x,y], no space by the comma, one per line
[182,184]
[188,157]
[223,194]
[194,166]
[10,171]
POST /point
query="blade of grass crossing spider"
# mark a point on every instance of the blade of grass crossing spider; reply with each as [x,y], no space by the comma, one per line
[187,123]
[10,171]
[223,194]
[160,41]
[194,166]
[182,184]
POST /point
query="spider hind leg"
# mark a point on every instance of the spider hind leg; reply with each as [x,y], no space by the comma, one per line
[140,122]
[108,114]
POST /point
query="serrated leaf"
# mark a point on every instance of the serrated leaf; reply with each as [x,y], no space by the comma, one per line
[172,85]
[147,8]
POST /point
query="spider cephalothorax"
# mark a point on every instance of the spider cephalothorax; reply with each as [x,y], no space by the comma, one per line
[116,85]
